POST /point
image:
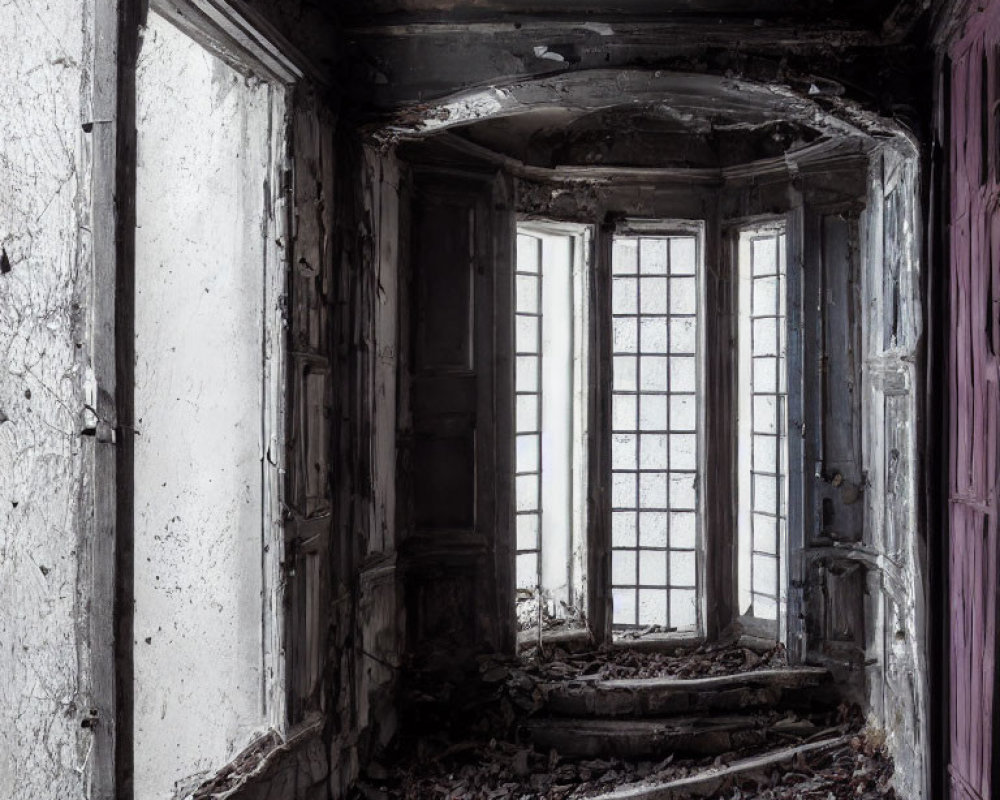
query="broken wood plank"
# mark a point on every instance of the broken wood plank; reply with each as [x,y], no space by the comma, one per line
[668,695]
[603,738]
[712,780]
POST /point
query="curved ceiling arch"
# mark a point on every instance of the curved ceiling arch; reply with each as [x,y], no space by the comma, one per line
[680,95]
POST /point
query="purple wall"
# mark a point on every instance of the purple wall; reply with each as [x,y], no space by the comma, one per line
[975,401]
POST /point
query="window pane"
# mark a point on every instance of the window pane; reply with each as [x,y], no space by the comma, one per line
[683,451]
[527,253]
[527,374]
[765,337]
[527,531]
[527,293]
[624,373]
[683,296]
[682,491]
[683,414]
[527,413]
[653,451]
[623,606]
[683,608]
[765,533]
[623,529]
[527,492]
[764,256]
[652,490]
[623,490]
[623,335]
[624,296]
[765,574]
[765,493]
[623,412]
[764,607]
[652,607]
[683,568]
[653,256]
[653,567]
[653,529]
[683,375]
[624,256]
[683,335]
[653,374]
[765,374]
[653,335]
[527,571]
[623,565]
[527,334]
[683,530]
[653,412]
[765,411]
[623,451]
[682,255]
[654,296]
[765,453]
[527,453]
[765,296]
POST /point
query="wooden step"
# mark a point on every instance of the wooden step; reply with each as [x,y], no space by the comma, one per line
[713,780]
[645,738]
[644,697]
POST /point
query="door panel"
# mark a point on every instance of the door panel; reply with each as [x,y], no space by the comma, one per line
[450,537]
[974,405]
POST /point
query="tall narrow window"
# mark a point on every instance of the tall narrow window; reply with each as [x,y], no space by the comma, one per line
[528,410]
[655,525]
[550,334]
[763,430]
[207,524]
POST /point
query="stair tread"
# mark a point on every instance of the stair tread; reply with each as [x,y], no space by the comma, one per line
[784,676]
[631,727]
[708,781]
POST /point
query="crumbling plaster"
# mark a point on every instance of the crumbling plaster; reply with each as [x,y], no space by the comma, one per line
[48,392]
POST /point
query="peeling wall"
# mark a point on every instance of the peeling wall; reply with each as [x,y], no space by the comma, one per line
[893,328]
[344,619]
[203,539]
[47,435]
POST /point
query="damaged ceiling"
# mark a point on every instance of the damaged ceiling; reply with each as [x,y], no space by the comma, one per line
[869,14]
[655,135]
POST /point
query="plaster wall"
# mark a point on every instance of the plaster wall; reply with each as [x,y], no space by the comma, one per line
[892,326]
[47,382]
[201,539]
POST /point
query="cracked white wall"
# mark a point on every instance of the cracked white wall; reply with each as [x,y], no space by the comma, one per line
[45,286]
[203,223]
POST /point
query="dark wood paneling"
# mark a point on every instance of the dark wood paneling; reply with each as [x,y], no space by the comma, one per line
[447,452]
[974,410]
[310,496]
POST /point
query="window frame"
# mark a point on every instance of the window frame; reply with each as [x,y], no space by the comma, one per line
[581,262]
[778,225]
[718,298]
[245,41]
[664,227]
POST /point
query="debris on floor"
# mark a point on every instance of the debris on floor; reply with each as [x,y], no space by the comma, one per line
[536,611]
[497,735]
[680,662]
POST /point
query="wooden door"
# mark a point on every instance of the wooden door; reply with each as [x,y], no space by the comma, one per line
[975,408]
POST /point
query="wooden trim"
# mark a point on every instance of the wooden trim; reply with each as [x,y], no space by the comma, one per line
[504,255]
[105,567]
[718,460]
[599,400]
[243,40]
[797,416]
[275,361]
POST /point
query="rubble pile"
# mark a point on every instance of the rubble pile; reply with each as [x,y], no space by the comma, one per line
[464,736]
